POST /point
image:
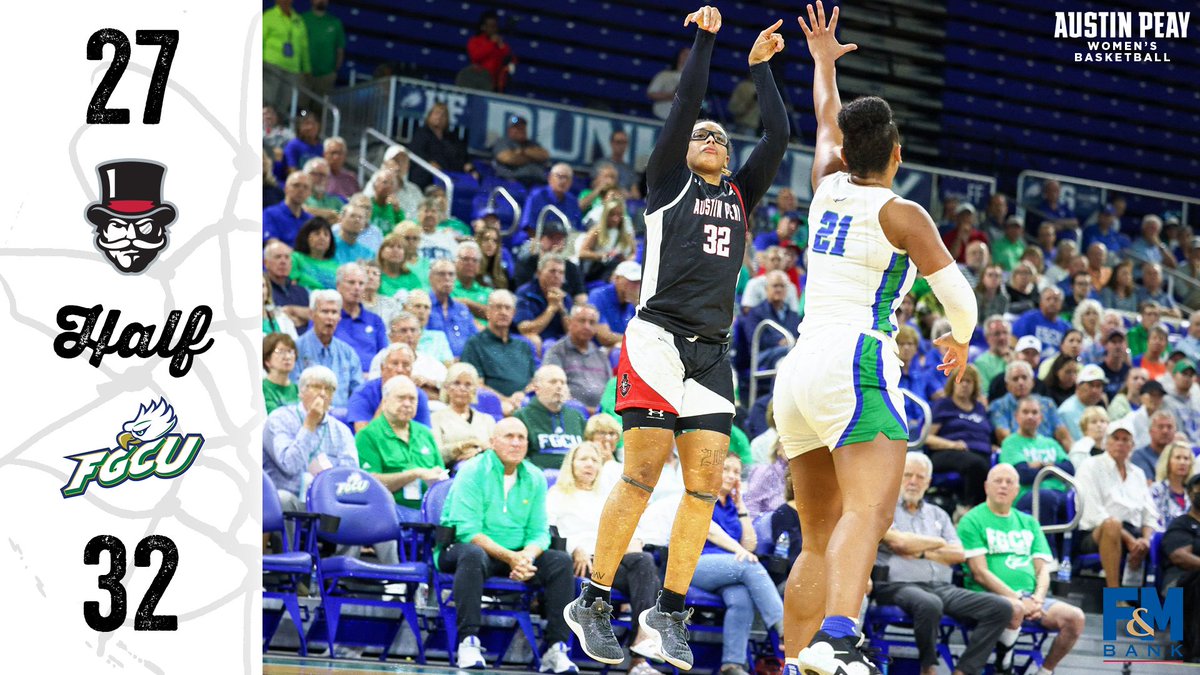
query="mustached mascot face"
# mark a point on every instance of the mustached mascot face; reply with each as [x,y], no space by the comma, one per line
[131,219]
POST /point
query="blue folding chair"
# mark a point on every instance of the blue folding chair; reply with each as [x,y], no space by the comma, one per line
[889,626]
[509,599]
[287,569]
[489,403]
[367,515]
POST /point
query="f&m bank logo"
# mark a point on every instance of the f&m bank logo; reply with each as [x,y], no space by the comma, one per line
[145,447]
[1138,614]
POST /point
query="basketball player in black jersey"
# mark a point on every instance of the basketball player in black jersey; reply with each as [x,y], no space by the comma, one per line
[674,383]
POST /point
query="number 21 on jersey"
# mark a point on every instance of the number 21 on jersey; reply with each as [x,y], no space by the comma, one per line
[716,239]
[830,222]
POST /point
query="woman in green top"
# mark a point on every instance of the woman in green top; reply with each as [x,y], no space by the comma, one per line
[313,265]
[279,359]
[394,274]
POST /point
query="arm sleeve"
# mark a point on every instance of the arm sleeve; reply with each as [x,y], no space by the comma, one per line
[671,149]
[755,176]
[958,301]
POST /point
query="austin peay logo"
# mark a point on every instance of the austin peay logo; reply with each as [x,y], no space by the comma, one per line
[145,447]
[624,384]
[1139,614]
[131,219]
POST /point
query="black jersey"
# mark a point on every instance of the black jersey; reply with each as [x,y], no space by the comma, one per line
[696,232]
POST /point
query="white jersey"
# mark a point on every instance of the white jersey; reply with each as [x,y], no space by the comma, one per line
[856,278]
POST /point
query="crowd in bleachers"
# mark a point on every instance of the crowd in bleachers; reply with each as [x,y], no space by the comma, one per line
[419,347]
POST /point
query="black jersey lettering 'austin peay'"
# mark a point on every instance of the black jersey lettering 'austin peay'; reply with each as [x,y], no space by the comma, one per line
[696,232]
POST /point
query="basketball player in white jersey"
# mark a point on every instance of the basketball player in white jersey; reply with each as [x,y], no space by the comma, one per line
[837,403]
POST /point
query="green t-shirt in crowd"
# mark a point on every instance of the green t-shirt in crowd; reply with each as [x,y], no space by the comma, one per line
[380,450]
[389,285]
[1010,543]
[1007,253]
[385,216]
[325,37]
[1017,449]
[551,435]
[989,366]
[276,396]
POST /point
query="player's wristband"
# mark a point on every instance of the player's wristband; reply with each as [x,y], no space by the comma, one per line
[958,301]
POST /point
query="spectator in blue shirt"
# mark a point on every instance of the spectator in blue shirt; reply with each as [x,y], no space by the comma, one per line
[398,359]
[286,294]
[542,304]
[1150,246]
[1106,232]
[347,235]
[1018,382]
[307,143]
[1054,211]
[319,347]
[617,302]
[1044,323]
[361,329]
[771,344]
[1152,290]
[556,192]
[785,229]
[283,220]
[448,315]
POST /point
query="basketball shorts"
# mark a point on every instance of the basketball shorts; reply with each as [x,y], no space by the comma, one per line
[837,387]
[663,371]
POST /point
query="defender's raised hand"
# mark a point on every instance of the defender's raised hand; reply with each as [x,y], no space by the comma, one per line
[822,43]
[707,18]
[768,44]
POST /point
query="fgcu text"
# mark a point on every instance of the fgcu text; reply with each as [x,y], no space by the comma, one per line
[145,447]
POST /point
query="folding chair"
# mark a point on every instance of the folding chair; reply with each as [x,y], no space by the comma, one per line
[289,568]
[503,597]
[889,626]
[367,515]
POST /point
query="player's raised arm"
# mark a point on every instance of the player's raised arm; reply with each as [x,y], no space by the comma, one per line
[760,169]
[671,148]
[825,50]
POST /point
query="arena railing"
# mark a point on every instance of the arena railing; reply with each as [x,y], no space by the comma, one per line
[1171,277]
[552,210]
[919,441]
[755,373]
[1071,184]
[365,164]
[504,194]
[1055,472]
[331,115]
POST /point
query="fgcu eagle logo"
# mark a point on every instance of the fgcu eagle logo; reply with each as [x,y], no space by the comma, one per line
[145,447]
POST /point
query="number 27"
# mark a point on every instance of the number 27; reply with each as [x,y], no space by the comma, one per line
[98,111]
[829,222]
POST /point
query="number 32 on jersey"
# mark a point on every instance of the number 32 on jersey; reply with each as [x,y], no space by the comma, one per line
[830,222]
[716,239]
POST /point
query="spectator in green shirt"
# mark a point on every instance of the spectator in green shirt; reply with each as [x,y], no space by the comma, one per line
[504,361]
[998,333]
[279,360]
[1007,250]
[285,53]
[326,46]
[497,507]
[467,288]
[1007,554]
[553,427]
[399,452]
[1028,451]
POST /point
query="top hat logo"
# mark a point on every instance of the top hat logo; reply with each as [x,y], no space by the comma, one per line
[131,218]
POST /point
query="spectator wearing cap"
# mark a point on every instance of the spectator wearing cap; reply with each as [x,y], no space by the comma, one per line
[617,302]
[1161,433]
[319,347]
[1089,391]
[1018,379]
[1118,514]
[553,240]
[1149,246]
[771,344]
[451,317]
[1181,566]
[1029,350]
[1105,231]
[1183,398]
[1189,344]
[1044,322]
[1152,290]
[504,361]
[519,158]
[964,232]
[282,221]
[1115,364]
[542,304]
[1007,250]
[587,366]
[782,235]
[1029,451]
[1152,397]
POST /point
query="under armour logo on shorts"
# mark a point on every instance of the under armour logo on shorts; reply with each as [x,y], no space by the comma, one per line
[624,384]
[656,414]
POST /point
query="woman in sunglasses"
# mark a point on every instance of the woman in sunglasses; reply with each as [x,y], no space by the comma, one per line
[674,385]
[837,402]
